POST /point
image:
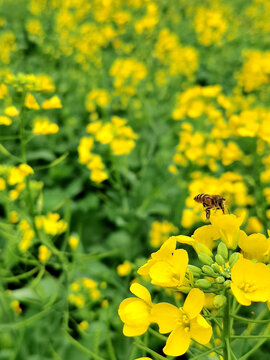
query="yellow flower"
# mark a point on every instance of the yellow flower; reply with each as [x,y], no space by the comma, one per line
[254,246]
[136,312]
[124,269]
[16,306]
[83,325]
[52,103]
[11,111]
[2,184]
[30,102]
[42,126]
[98,176]
[43,253]
[4,120]
[164,252]
[184,323]
[250,282]
[73,242]
[203,239]
[144,358]
[170,271]
[17,174]
[228,227]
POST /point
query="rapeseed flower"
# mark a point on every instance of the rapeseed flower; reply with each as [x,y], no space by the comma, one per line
[184,323]
[136,312]
[43,126]
[11,111]
[52,103]
[30,102]
[124,269]
[5,120]
[18,174]
[43,253]
[228,226]
[250,282]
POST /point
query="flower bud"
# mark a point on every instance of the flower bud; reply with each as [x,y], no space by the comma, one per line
[205,259]
[208,270]
[233,258]
[219,301]
[219,259]
[222,250]
[216,268]
[220,279]
[203,284]
[196,271]
[227,284]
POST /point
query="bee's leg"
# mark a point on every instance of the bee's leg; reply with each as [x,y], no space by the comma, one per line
[207,211]
[221,205]
[205,205]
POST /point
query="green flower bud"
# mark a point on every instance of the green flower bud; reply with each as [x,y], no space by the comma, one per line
[196,271]
[205,259]
[203,284]
[208,270]
[233,258]
[227,284]
[219,301]
[216,268]
[220,279]
[222,250]
[219,259]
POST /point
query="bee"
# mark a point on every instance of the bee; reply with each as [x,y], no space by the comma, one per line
[210,202]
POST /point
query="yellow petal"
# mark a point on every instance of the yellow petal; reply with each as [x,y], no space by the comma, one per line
[200,330]
[166,316]
[177,343]
[141,292]
[180,263]
[184,239]
[194,303]
[161,273]
[239,295]
[133,330]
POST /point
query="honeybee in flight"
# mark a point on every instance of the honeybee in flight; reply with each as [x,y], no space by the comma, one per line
[210,202]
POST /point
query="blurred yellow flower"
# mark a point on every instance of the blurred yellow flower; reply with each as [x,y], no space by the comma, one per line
[30,102]
[43,253]
[4,120]
[124,269]
[11,111]
[43,126]
[52,103]
[73,242]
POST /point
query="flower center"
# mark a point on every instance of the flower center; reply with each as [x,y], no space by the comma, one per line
[247,287]
[183,321]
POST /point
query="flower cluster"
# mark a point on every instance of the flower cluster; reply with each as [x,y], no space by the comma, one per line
[224,272]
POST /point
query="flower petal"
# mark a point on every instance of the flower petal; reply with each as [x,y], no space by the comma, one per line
[177,343]
[240,295]
[134,331]
[166,316]
[200,330]
[141,292]
[161,273]
[194,303]
[180,263]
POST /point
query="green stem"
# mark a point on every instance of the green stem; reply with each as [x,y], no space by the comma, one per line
[80,347]
[226,330]
[251,337]
[150,351]
[254,321]
[200,356]
[157,334]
